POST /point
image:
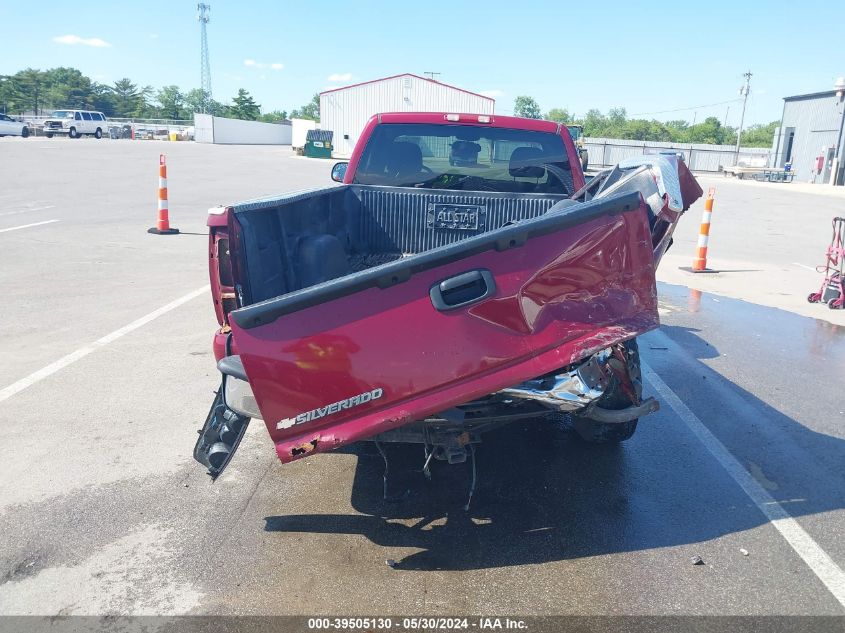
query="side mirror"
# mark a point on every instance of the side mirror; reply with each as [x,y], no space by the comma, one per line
[339,171]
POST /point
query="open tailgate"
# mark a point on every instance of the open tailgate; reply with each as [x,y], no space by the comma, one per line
[359,355]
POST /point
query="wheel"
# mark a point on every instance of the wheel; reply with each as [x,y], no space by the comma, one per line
[72,133]
[614,397]
[25,132]
[832,304]
[48,135]
[813,297]
[98,133]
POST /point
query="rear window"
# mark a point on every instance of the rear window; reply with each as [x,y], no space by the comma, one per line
[86,116]
[465,157]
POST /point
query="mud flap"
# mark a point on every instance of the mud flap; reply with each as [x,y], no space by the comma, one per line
[220,436]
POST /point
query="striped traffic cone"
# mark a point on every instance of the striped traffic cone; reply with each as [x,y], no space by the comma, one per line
[699,263]
[162,226]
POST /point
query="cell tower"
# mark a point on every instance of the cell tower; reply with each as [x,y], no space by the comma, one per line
[203,16]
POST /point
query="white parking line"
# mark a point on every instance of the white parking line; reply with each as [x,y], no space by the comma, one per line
[26,226]
[804,266]
[82,352]
[810,552]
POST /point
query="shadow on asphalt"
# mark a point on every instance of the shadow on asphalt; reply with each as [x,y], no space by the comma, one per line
[543,495]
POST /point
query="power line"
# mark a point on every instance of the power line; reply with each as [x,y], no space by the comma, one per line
[708,105]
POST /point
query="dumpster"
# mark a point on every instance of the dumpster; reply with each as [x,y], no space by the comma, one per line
[318,143]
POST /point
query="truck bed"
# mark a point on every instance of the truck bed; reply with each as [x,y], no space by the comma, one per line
[299,240]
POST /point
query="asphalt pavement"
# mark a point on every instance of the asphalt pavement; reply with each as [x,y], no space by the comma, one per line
[109,373]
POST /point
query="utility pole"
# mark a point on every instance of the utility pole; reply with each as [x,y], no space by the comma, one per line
[431,74]
[203,16]
[743,91]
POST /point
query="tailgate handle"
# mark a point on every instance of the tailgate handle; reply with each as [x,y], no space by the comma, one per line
[462,290]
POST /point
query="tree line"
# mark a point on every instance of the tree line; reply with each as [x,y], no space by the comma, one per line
[616,124]
[40,91]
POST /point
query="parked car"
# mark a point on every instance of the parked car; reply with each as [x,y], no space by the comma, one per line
[11,127]
[433,296]
[76,123]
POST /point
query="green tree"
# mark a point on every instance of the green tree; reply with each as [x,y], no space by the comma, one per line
[103,99]
[244,107]
[595,123]
[759,135]
[27,90]
[310,110]
[68,88]
[197,100]
[172,102]
[126,96]
[560,115]
[274,117]
[710,131]
[527,107]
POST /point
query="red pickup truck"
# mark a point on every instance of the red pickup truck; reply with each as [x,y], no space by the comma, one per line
[463,276]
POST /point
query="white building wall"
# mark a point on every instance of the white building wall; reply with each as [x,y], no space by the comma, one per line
[203,128]
[215,129]
[346,111]
[300,129]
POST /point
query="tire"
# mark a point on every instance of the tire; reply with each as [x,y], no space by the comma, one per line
[48,135]
[614,397]
[832,304]
[25,132]
[98,133]
[71,133]
[812,298]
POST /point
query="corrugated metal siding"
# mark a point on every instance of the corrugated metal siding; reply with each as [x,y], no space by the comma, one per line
[393,219]
[346,111]
[605,152]
[816,122]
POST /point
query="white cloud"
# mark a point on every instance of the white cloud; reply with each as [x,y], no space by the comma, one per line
[251,63]
[492,93]
[339,77]
[72,40]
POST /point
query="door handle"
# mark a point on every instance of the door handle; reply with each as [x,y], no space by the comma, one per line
[462,290]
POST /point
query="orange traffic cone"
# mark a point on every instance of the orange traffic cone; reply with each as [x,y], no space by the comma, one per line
[699,263]
[162,226]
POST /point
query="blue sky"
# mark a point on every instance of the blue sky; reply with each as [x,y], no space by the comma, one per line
[645,56]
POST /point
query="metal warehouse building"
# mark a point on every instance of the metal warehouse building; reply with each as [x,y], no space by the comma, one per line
[811,137]
[346,110]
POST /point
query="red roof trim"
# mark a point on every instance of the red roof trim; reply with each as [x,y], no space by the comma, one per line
[439,83]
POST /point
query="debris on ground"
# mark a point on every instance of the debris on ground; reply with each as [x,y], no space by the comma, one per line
[697,560]
[391,563]
[742,551]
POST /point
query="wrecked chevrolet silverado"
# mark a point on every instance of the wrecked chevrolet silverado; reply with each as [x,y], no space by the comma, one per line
[462,276]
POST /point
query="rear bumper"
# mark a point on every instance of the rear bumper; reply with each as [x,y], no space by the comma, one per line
[359,428]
